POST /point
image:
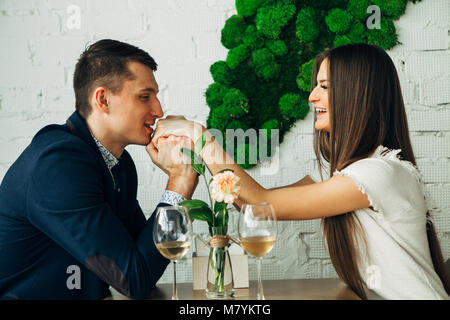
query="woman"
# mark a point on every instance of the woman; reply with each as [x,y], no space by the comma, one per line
[375,222]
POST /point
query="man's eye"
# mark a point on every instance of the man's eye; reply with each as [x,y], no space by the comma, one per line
[144,97]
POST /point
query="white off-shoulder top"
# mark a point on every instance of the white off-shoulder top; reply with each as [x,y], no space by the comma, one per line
[396,263]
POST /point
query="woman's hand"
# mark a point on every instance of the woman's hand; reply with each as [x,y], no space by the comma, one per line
[177,126]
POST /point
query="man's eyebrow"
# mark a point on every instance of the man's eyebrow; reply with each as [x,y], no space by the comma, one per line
[156,90]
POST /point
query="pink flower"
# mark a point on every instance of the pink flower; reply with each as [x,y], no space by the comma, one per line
[224,187]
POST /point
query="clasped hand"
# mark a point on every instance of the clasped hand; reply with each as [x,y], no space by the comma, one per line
[177,126]
[172,134]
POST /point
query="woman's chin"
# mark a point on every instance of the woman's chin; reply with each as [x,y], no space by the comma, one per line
[319,126]
[322,121]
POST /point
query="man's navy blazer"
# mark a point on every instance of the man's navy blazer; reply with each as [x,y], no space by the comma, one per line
[64,219]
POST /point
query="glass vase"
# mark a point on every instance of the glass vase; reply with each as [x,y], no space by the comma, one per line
[219,283]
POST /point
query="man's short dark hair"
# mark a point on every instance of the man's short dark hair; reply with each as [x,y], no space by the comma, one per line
[104,63]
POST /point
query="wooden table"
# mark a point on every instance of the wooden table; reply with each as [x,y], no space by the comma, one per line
[292,289]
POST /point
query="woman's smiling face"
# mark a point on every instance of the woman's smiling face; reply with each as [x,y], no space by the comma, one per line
[319,98]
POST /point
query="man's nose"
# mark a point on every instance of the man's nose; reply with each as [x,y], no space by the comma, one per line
[157,111]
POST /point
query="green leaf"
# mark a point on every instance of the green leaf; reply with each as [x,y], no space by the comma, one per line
[199,168]
[219,206]
[195,159]
[191,204]
[199,210]
[188,153]
[203,214]
[222,219]
[196,162]
[199,144]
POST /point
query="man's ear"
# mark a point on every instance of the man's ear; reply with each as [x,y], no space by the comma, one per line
[100,100]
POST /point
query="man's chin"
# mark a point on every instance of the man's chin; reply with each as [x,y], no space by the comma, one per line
[142,142]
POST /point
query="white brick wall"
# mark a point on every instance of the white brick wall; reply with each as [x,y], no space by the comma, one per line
[39,50]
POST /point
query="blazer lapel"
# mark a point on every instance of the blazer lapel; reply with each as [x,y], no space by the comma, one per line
[78,127]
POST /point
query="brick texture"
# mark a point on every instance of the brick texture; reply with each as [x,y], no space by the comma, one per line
[42,39]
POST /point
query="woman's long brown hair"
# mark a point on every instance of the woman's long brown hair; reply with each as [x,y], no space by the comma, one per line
[366,110]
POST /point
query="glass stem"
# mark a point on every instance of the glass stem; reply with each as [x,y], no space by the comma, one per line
[175,294]
[260,286]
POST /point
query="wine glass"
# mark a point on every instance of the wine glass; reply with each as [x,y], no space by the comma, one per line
[257,231]
[172,234]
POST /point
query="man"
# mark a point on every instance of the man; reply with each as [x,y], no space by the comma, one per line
[70,224]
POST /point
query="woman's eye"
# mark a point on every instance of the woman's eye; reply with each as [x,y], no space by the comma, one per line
[144,97]
[324,87]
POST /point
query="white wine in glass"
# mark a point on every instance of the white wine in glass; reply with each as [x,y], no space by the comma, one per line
[173,250]
[258,246]
[257,230]
[172,234]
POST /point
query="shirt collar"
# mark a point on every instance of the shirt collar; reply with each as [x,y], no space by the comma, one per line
[109,158]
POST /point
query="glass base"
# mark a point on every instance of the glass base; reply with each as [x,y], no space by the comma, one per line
[219,283]
[229,294]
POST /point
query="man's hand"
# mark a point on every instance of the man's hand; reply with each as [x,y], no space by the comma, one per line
[167,156]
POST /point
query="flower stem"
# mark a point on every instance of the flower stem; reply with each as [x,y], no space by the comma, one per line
[209,193]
